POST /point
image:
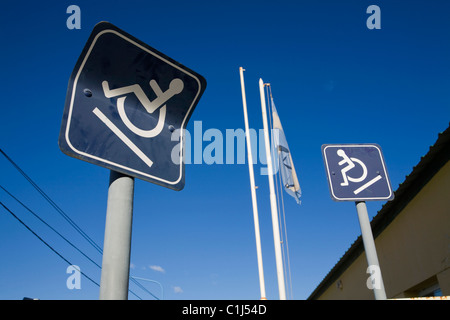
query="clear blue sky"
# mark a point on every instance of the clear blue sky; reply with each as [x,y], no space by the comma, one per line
[333,80]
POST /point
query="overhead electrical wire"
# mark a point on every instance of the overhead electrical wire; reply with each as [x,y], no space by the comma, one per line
[48,225]
[59,234]
[44,242]
[66,217]
[53,204]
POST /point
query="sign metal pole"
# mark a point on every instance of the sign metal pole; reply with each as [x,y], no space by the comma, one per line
[371,252]
[117,244]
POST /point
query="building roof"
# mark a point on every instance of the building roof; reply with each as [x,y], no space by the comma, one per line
[428,166]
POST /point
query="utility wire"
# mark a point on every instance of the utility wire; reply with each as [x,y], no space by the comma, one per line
[43,241]
[67,218]
[53,204]
[142,287]
[59,234]
[53,229]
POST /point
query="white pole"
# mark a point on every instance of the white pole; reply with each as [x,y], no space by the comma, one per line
[273,200]
[253,190]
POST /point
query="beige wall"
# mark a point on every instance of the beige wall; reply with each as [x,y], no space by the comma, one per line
[415,247]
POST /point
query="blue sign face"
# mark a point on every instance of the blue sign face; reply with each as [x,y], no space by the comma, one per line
[356,172]
[126,106]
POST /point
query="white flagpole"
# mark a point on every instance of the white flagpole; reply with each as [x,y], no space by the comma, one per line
[273,200]
[253,190]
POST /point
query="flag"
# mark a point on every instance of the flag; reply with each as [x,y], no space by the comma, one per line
[286,165]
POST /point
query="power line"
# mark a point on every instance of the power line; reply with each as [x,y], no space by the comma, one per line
[64,238]
[53,204]
[48,225]
[142,287]
[43,241]
[67,218]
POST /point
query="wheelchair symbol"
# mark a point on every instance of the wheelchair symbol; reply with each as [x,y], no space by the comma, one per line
[175,87]
[350,165]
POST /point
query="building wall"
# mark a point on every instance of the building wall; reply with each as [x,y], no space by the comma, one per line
[413,250]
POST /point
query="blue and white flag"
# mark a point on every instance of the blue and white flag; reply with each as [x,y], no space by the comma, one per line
[286,165]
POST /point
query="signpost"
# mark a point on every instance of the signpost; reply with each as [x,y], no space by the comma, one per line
[124,101]
[357,172]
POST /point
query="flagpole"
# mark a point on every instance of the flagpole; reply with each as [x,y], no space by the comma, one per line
[273,200]
[253,190]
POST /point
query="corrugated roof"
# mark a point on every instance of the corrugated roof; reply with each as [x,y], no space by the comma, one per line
[437,156]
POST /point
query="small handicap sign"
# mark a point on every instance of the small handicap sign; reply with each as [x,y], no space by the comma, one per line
[356,172]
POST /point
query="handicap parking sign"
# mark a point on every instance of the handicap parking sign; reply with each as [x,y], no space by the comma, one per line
[125,102]
[356,172]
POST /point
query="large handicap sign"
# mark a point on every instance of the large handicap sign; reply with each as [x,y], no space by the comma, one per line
[124,102]
[356,172]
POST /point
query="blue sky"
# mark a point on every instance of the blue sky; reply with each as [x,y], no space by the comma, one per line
[333,81]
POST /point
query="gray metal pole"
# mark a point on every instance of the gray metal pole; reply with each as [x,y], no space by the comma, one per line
[371,252]
[117,244]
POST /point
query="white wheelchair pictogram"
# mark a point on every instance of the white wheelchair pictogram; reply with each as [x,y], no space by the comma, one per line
[350,165]
[175,87]
[350,161]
